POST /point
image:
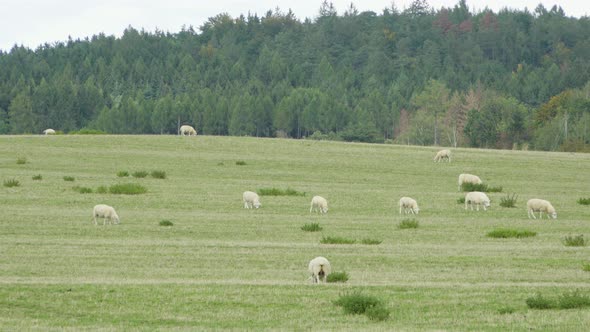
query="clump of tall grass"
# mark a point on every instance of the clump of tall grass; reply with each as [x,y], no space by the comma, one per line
[21,160]
[510,233]
[166,223]
[357,303]
[312,227]
[139,174]
[461,200]
[279,192]
[336,240]
[584,201]
[127,189]
[509,201]
[37,177]
[506,310]
[82,190]
[11,183]
[240,163]
[586,267]
[337,277]
[69,178]
[122,174]
[567,300]
[480,187]
[102,190]
[408,223]
[371,241]
[158,174]
[574,241]
[540,302]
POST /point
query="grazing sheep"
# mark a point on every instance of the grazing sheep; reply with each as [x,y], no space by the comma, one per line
[468,178]
[443,154]
[409,205]
[106,212]
[319,204]
[477,198]
[540,205]
[49,131]
[251,199]
[187,130]
[319,268]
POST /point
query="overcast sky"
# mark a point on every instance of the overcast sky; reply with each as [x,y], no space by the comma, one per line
[34,22]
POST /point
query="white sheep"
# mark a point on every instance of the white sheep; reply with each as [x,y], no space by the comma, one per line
[49,131]
[187,130]
[106,212]
[468,178]
[319,268]
[319,204]
[533,205]
[443,154]
[477,198]
[408,204]
[251,199]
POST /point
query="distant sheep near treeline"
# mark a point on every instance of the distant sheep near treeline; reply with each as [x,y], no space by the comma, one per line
[319,204]
[251,200]
[49,131]
[443,154]
[319,268]
[468,178]
[106,212]
[187,130]
[408,205]
[540,205]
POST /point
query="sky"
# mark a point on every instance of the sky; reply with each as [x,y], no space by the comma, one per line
[35,22]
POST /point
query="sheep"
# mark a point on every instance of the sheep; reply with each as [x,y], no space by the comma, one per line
[187,130]
[319,268]
[319,204]
[106,212]
[49,131]
[540,205]
[443,154]
[251,199]
[468,178]
[409,205]
[477,198]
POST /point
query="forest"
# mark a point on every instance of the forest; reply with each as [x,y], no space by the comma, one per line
[512,79]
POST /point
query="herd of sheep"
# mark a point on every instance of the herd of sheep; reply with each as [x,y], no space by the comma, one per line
[320,267]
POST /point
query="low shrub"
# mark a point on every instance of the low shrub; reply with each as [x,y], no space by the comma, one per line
[540,302]
[357,303]
[11,183]
[509,201]
[279,192]
[82,190]
[371,241]
[158,174]
[336,240]
[574,241]
[37,177]
[166,223]
[584,201]
[240,163]
[86,131]
[337,277]
[313,227]
[480,187]
[122,174]
[573,300]
[408,223]
[510,233]
[69,178]
[127,189]
[139,174]
[21,160]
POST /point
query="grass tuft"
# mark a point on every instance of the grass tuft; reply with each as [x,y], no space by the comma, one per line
[166,223]
[11,183]
[461,200]
[356,303]
[102,190]
[336,240]
[506,310]
[480,187]
[510,233]
[313,227]
[573,300]
[584,201]
[158,174]
[37,177]
[586,267]
[574,241]
[540,302]
[377,313]
[408,223]
[82,190]
[509,201]
[139,174]
[122,174]
[279,192]
[371,241]
[240,163]
[69,178]
[127,189]
[337,277]
[21,160]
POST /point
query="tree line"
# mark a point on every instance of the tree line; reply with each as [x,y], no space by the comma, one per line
[448,76]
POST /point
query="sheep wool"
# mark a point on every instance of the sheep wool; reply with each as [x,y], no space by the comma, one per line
[533,205]
[49,131]
[319,268]
[443,154]
[106,212]
[187,130]
[251,199]
[319,204]
[468,178]
[409,205]
[477,198]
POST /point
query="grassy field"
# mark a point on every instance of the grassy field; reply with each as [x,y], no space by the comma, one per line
[221,266]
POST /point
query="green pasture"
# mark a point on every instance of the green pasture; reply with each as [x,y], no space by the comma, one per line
[221,266]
